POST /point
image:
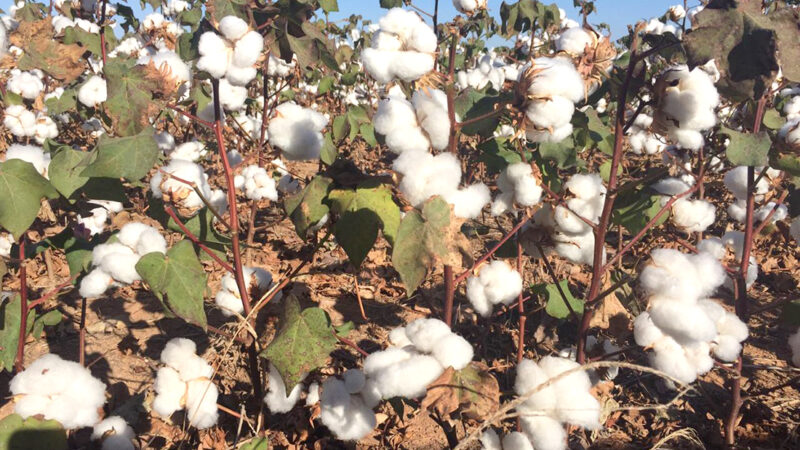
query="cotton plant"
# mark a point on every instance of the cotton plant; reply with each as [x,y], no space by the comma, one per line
[297,131]
[686,104]
[256,184]
[402,49]
[641,139]
[233,54]
[689,214]
[259,282]
[170,184]
[518,186]
[415,125]
[469,6]
[575,40]
[171,64]
[93,92]
[59,390]
[552,86]
[114,263]
[276,399]
[682,326]
[185,383]
[729,248]
[114,433]
[495,283]
[568,400]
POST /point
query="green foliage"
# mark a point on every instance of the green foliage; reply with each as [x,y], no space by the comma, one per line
[329,5]
[391,4]
[423,238]
[362,211]
[307,207]
[633,209]
[134,93]
[178,280]
[129,157]
[563,153]
[21,190]
[747,149]
[591,132]
[9,333]
[498,153]
[523,15]
[791,313]
[303,343]
[65,169]
[58,105]
[17,433]
[471,104]
[556,307]
[258,443]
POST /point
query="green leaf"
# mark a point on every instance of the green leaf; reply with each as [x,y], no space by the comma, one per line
[361,212]
[340,128]
[307,207]
[556,307]
[605,170]
[129,157]
[9,333]
[65,170]
[50,319]
[422,239]
[217,9]
[66,102]
[562,153]
[328,153]
[329,5]
[325,85]
[388,4]
[497,154]
[11,98]
[368,133]
[131,90]
[471,104]
[302,344]
[747,149]
[518,17]
[591,132]
[789,163]
[30,433]
[633,209]
[772,119]
[178,279]
[21,191]
[258,443]
[88,40]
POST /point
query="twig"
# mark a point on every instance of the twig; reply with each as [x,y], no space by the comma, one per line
[23,305]
[489,254]
[196,240]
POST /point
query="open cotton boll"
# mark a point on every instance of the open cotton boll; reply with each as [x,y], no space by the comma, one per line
[58,390]
[259,282]
[453,351]
[377,362]
[519,185]
[736,182]
[277,67]
[424,333]
[180,354]
[25,84]
[676,275]
[516,441]
[201,403]
[297,131]
[276,399]
[574,41]
[185,383]
[468,6]
[19,121]
[409,379]
[95,284]
[168,61]
[32,154]
[348,418]
[693,215]
[231,97]
[553,112]
[468,202]
[189,151]
[93,91]
[258,185]
[44,129]
[556,76]
[431,111]
[713,246]
[6,242]
[685,322]
[544,432]
[425,175]
[143,239]
[529,376]
[396,119]
[496,283]
[170,390]
[178,193]
[794,345]
[399,338]
[645,332]
[402,49]
[114,434]
[781,211]
[490,440]
[670,186]
[790,132]
[577,248]
[121,267]
[669,357]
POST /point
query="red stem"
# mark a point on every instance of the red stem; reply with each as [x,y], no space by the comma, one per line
[47,296]
[450,291]
[23,304]
[190,116]
[196,240]
[82,335]
[520,308]
[102,33]
[489,254]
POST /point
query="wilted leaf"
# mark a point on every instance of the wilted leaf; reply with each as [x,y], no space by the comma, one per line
[556,307]
[21,192]
[472,391]
[423,239]
[178,279]
[129,157]
[135,94]
[30,433]
[307,207]
[41,51]
[303,343]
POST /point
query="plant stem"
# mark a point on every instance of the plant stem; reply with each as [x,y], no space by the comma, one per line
[450,291]
[102,33]
[449,284]
[196,240]
[598,269]
[520,307]
[82,335]
[489,254]
[23,305]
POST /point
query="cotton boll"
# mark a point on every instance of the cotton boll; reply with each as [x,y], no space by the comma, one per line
[736,182]
[552,112]
[713,246]
[31,154]
[685,322]
[170,390]
[469,201]
[114,433]
[727,348]
[670,358]
[258,185]
[529,376]
[179,353]
[579,408]
[212,46]
[25,84]
[297,131]
[231,97]
[276,399]
[95,284]
[346,415]
[729,324]
[93,91]
[176,192]
[431,111]
[545,433]
[667,275]
[555,77]
[58,390]
[6,242]
[410,66]
[697,353]
[555,135]
[490,440]
[496,283]
[354,380]
[409,379]
[453,351]
[578,248]
[574,41]
[248,48]
[371,394]
[670,186]
[19,121]
[201,403]
[518,179]
[425,333]
[398,337]
[516,441]
[692,215]
[425,175]
[121,267]
[44,129]
[377,362]
[170,61]
[189,151]
[781,211]
[233,27]
[645,332]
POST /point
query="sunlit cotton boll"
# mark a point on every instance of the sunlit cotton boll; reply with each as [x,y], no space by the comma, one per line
[58,390]
[425,175]
[574,41]
[736,182]
[114,434]
[19,120]
[431,111]
[544,432]
[297,131]
[345,415]
[496,283]
[31,154]
[693,215]
[276,399]
[396,119]
[258,280]
[93,91]
[468,202]
[402,49]
[687,105]
[44,129]
[169,183]
[233,54]
[189,151]
[680,276]
[517,184]
[25,84]
[468,6]
[257,184]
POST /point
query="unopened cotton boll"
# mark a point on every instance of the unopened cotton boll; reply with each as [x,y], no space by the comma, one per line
[346,415]
[19,121]
[93,91]
[31,154]
[276,399]
[297,131]
[496,283]
[114,434]
[58,390]
[25,84]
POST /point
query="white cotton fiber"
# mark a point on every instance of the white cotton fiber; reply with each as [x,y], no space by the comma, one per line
[297,131]
[25,84]
[574,41]
[530,376]
[114,433]
[59,390]
[409,379]
[687,105]
[354,380]
[645,332]
[490,440]
[165,184]
[425,175]
[348,418]
[169,62]
[677,275]
[424,333]
[736,182]
[95,283]
[31,154]
[399,338]
[19,121]
[93,91]
[544,432]
[468,202]
[233,54]
[453,351]
[431,110]
[276,399]
[259,282]
[516,441]
[693,215]
[685,322]
[403,48]
[170,390]
[257,184]
[496,283]
[201,403]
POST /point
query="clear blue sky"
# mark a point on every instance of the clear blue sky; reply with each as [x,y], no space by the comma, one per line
[617,13]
